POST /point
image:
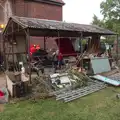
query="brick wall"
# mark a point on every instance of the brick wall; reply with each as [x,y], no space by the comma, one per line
[20,8]
[43,11]
[1,14]
[25,8]
[38,10]
[46,11]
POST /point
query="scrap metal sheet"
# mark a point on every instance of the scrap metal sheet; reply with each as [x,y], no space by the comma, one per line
[100,65]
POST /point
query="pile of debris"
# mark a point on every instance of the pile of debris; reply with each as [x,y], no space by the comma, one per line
[45,86]
[41,87]
[72,79]
[68,96]
[79,79]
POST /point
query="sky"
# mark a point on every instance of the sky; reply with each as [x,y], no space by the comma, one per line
[81,11]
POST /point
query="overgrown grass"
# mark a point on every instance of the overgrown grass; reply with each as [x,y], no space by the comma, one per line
[101,105]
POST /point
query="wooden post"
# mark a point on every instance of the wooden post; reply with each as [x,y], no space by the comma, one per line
[44,43]
[80,45]
[1,41]
[4,54]
[81,50]
[59,41]
[117,49]
[28,52]
[13,46]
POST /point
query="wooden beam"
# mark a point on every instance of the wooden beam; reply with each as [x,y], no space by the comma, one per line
[28,51]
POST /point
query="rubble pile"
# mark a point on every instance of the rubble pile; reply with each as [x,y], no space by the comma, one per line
[41,87]
[80,79]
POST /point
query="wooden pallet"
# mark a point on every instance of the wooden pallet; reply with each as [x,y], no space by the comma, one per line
[74,94]
[64,90]
[83,94]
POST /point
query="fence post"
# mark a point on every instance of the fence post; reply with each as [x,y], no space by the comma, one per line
[117,49]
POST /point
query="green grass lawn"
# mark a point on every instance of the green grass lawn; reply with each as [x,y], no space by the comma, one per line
[101,105]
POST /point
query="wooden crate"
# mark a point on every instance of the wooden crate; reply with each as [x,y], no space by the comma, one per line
[18,88]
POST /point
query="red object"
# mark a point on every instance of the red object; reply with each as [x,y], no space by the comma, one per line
[1,94]
[37,47]
[34,48]
[65,47]
[60,56]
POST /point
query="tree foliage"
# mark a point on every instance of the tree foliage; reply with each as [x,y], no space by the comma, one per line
[110,10]
[97,21]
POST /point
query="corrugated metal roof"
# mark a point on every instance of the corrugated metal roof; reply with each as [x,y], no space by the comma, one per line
[59,25]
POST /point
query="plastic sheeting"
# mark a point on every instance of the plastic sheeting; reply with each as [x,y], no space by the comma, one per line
[107,80]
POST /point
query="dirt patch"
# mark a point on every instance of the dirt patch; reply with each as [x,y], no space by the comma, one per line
[1,107]
[51,113]
[2,80]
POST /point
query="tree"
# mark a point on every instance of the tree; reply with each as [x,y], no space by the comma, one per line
[97,21]
[110,9]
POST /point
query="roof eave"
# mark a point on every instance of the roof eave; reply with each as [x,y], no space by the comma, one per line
[49,2]
[62,3]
